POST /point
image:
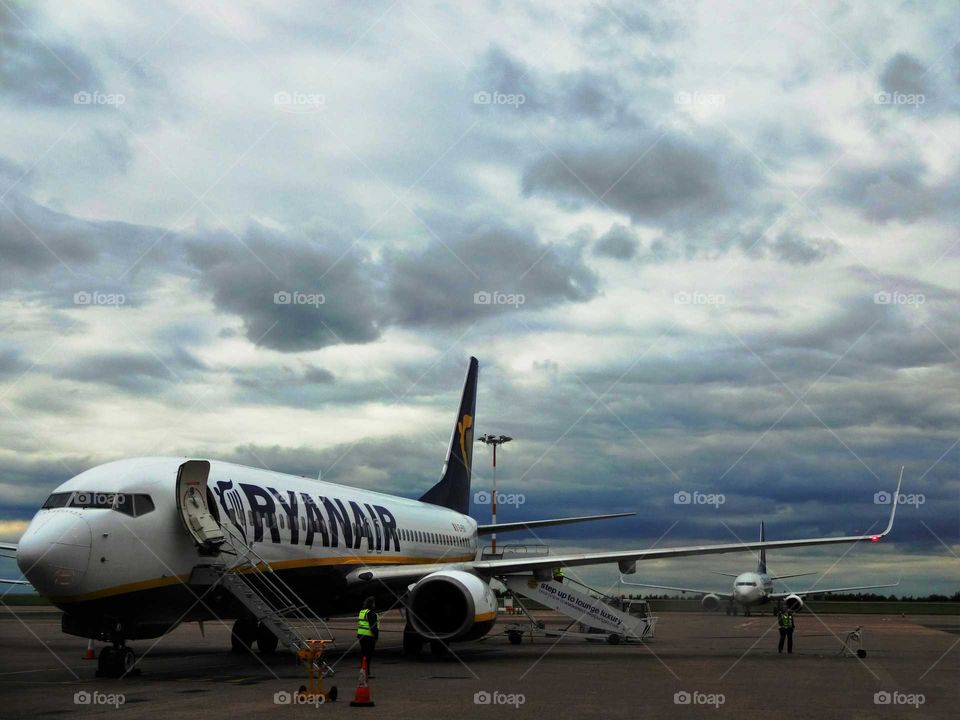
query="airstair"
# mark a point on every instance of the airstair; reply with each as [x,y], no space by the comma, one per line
[594,615]
[244,573]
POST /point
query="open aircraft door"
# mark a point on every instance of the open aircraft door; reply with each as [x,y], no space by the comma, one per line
[192,504]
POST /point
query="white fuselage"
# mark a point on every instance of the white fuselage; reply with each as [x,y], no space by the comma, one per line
[752,588]
[91,549]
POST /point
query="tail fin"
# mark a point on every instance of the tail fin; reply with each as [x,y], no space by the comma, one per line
[453,490]
[762,562]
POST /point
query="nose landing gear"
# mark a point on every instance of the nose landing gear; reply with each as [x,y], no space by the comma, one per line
[116,661]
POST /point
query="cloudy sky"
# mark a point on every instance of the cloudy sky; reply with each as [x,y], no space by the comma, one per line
[697,248]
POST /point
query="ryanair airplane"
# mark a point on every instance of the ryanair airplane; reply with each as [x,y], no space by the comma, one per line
[130,549]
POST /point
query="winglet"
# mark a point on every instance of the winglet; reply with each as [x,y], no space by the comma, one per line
[894,501]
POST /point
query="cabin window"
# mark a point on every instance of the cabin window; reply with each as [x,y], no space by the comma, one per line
[281,522]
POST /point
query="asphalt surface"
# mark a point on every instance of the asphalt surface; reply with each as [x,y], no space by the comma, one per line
[723,666]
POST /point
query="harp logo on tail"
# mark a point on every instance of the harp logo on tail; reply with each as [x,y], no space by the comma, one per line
[465,428]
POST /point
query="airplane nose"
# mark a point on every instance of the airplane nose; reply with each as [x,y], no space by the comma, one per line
[54,552]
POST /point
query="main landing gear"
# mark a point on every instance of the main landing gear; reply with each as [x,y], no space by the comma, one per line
[116,661]
[246,632]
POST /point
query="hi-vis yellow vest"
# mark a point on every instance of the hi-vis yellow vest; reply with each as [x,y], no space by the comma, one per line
[363,625]
[786,621]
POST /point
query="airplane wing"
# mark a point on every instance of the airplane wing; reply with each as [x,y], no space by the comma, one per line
[784,577]
[815,591]
[625,559]
[14,582]
[526,525]
[8,549]
[679,589]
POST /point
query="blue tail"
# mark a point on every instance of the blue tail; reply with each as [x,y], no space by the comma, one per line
[453,490]
[762,562]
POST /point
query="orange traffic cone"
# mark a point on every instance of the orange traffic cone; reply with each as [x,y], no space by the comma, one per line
[362,697]
[90,654]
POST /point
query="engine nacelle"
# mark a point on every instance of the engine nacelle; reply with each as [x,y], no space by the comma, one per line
[793,603]
[710,602]
[452,605]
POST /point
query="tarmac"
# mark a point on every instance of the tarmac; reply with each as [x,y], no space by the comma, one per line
[698,665]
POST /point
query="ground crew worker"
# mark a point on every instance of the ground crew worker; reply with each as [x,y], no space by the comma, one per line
[785,621]
[558,574]
[368,631]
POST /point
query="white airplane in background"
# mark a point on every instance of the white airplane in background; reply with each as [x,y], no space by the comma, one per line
[753,589]
[130,549]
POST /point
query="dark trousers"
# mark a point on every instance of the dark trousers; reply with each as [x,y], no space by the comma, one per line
[367,646]
[786,634]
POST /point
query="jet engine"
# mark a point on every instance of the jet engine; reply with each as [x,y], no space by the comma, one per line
[793,603]
[710,602]
[451,605]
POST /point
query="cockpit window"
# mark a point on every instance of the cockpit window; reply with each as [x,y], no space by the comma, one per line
[56,500]
[746,584]
[127,503]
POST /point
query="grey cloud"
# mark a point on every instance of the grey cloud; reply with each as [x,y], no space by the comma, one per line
[437,285]
[246,275]
[36,68]
[894,191]
[651,178]
[618,243]
[905,74]
[134,373]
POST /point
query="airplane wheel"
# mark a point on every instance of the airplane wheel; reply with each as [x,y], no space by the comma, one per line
[439,648]
[266,640]
[515,638]
[861,653]
[412,644]
[107,662]
[613,639]
[242,636]
[126,659]
[728,612]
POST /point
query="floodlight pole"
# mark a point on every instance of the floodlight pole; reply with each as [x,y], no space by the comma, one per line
[494,440]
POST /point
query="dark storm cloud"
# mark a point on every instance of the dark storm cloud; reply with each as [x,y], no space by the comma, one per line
[456,278]
[38,69]
[292,293]
[618,243]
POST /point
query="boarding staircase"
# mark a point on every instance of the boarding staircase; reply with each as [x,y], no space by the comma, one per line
[253,583]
